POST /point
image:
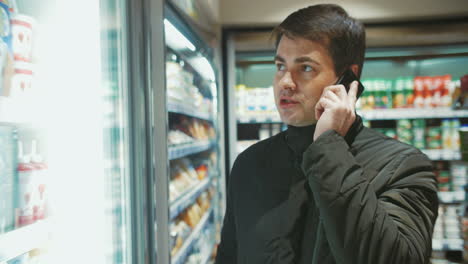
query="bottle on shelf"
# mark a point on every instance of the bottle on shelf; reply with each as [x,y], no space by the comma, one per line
[40,186]
[25,191]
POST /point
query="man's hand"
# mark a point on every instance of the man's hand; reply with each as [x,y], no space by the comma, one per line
[335,109]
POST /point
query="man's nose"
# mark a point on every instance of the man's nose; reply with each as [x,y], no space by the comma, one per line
[287,81]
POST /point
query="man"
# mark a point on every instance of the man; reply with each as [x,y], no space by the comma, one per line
[327,190]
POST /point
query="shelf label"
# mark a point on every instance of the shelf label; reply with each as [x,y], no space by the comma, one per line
[437,244]
[454,244]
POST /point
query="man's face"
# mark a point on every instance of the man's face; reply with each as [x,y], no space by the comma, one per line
[304,69]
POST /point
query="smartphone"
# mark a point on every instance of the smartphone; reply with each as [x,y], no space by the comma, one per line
[347,78]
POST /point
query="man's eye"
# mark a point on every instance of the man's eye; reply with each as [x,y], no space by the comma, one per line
[280,67]
[307,68]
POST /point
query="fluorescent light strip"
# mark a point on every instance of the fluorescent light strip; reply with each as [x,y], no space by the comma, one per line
[175,39]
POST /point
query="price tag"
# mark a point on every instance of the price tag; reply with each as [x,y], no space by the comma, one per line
[433,154]
[437,244]
[459,196]
[379,114]
[445,197]
[447,154]
[454,244]
[261,119]
[276,118]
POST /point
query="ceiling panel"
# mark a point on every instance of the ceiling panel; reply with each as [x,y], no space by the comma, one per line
[271,12]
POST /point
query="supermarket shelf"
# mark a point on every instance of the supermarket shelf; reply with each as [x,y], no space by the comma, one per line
[180,108]
[447,244]
[442,154]
[452,197]
[258,119]
[22,240]
[413,113]
[183,252]
[188,198]
[179,151]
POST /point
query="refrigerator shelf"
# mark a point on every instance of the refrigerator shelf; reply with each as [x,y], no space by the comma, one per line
[447,244]
[20,124]
[22,240]
[442,154]
[180,151]
[412,113]
[188,198]
[451,197]
[180,108]
[183,252]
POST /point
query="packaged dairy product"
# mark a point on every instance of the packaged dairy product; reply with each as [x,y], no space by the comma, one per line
[25,190]
[40,182]
[22,37]
[22,80]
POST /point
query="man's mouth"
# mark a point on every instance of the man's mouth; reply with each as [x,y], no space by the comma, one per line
[287,102]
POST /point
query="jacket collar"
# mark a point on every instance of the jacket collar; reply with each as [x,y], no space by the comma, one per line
[354,130]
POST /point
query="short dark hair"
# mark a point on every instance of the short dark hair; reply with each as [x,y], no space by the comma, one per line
[343,36]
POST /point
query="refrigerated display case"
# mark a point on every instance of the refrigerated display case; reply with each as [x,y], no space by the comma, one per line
[67,176]
[194,181]
[394,77]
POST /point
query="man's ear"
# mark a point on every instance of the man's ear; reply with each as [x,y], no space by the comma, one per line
[355,69]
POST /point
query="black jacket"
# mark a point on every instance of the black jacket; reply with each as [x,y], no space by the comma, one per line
[365,198]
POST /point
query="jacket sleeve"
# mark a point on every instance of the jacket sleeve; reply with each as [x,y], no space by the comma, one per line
[362,226]
[227,249]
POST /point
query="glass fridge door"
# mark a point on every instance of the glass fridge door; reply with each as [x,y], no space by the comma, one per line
[64,132]
[193,144]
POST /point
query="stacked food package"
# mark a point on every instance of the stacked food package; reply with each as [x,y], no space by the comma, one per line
[194,169]
[426,135]
[188,220]
[195,128]
[459,177]
[185,176]
[408,92]
[181,88]
[255,103]
[451,178]
[18,89]
[187,130]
